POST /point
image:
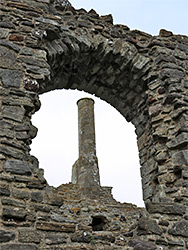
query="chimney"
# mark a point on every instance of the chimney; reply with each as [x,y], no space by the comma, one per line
[85,171]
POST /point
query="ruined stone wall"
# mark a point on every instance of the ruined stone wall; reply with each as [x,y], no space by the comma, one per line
[44,47]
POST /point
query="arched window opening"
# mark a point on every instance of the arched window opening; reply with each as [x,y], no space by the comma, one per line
[56,144]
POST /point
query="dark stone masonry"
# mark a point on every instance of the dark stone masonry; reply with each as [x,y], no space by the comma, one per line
[47,45]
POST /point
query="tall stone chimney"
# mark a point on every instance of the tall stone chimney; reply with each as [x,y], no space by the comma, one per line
[85,171]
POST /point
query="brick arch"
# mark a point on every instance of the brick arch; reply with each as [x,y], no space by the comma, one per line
[47,47]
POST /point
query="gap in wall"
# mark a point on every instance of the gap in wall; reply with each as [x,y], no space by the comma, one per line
[56,144]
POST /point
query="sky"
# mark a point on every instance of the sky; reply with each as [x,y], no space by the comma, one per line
[56,145]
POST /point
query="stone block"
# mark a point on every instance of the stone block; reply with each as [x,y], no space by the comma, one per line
[9,59]
[11,78]
[179,141]
[14,113]
[6,236]
[53,239]
[11,151]
[19,247]
[104,237]
[185,173]
[81,237]
[179,229]
[180,157]
[41,207]
[147,180]
[147,226]
[147,192]
[161,157]
[11,46]
[148,167]
[14,213]
[29,236]
[155,110]
[167,178]
[140,62]
[171,73]
[53,198]
[166,208]
[56,227]
[17,167]
[13,202]
[176,243]
[4,33]
[16,37]
[4,189]
[141,245]
[36,196]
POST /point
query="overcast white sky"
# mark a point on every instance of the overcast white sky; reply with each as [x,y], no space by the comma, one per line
[56,145]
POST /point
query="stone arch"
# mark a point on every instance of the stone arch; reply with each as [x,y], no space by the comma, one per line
[117,78]
[47,46]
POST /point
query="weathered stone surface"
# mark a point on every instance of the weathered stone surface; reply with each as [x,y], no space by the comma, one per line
[148,167]
[4,33]
[104,237]
[4,189]
[36,196]
[167,178]
[56,227]
[17,167]
[6,236]
[53,198]
[14,212]
[10,45]
[9,57]
[180,140]
[148,191]
[11,78]
[20,194]
[53,239]
[146,226]
[19,247]
[46,46]
[12,152]
[16,37]
[29,236]
[164,223]
[13,112]
[141,245]
[81,237]
[13,202]
[180,157]
[180,228]
[166,208]
[165,33]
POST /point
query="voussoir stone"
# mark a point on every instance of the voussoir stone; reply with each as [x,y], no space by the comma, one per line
[17,167]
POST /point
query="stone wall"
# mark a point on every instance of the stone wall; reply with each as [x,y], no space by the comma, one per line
[45,46]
